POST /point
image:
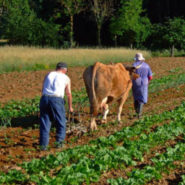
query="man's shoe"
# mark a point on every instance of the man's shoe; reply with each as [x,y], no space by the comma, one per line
[43,148]
[135,115]
[139,116]
[59,144]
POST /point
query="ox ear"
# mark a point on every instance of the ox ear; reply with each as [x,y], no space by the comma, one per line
[131,69]
[132,72]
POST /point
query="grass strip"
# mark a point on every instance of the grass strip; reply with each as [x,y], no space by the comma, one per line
[32,58]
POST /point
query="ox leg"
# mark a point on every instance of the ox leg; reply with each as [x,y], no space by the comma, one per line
[122,101]
[106,111]
[94,113]
[93,125]
[105,108]
[120,110]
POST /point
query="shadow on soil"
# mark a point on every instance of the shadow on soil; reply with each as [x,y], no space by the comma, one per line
[176,180]
[25,122]
[34,122]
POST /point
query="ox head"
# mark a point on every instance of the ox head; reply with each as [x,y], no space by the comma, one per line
[132,72]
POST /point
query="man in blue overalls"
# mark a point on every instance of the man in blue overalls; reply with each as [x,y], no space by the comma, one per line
[56,85]
[140,85]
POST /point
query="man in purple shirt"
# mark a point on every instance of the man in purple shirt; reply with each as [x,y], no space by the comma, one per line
[140,85]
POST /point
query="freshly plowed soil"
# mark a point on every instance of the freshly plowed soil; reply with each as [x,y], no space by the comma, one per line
[20,85]
[18,144]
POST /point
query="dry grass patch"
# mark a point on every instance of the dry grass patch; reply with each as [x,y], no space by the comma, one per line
[32,58]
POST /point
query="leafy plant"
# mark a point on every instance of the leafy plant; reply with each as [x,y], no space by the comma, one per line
[87,162]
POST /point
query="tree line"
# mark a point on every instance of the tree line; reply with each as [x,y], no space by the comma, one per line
[70,23]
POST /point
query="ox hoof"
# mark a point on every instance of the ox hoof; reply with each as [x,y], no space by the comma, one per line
[119,121]
[93,128]
[103,121]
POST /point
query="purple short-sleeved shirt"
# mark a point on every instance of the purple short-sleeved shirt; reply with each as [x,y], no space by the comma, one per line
[140,85]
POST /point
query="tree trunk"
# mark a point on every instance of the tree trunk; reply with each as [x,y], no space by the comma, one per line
[99,34]
[172,50]
[71,31]
[115,41]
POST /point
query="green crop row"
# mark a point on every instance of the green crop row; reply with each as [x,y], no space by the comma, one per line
[183,180]
[166,82]
[28,107]
[123,135]
[86,163]
[160,163]
[138,127]
[14,109]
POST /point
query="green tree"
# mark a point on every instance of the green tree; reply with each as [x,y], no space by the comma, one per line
[174,33]
[72,7]
[21,26]
[170,34]
[128,24]
[18,20]
[101,10]
[45,34]
[3,5]
[155,41]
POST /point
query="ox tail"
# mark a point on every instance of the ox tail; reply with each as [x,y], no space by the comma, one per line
[94,99]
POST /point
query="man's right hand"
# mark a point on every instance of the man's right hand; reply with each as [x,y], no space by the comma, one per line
[71,109]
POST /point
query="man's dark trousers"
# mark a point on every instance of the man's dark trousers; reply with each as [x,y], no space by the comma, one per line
[138,107]
[52,109]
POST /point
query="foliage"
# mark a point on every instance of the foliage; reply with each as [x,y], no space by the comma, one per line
[101,10]
[160,163]
[183,180]
[129,24]
[166,82]
[28,107]
[153,41]
[72,8]
[15,109]
[21,26]
[166,53]
[87,162]
[171,34]
[52,23]
[175,32]
[18,20]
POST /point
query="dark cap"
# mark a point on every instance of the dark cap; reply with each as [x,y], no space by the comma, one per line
[61,65]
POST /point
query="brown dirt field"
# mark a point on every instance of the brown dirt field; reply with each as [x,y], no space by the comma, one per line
[18,144]
[20,85]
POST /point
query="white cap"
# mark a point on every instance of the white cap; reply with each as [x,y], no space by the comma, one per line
[139,56]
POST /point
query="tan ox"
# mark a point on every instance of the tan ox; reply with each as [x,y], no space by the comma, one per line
[105,84]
